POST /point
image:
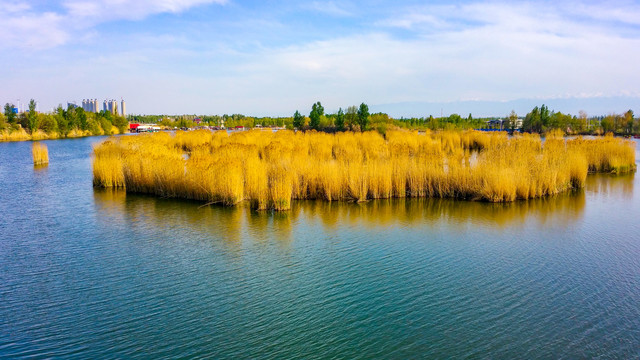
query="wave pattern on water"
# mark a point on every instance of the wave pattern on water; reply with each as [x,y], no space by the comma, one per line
[95,274]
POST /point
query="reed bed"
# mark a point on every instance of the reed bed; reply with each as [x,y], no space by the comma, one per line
[15,135]
[40,154]
[269,170]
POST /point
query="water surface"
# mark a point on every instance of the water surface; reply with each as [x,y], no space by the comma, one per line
[104,274]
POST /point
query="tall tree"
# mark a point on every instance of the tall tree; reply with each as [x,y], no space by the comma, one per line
[340,120]
[608,123]
[532,121]
[363,116]
[351,117]
[298,120]
[545,117]
[61,119]
[582,121]
[9,114]
[33,116]
[317,111]
[628,119]
[511,121]
[81,118]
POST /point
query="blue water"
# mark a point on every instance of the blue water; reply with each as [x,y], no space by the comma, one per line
[100,274]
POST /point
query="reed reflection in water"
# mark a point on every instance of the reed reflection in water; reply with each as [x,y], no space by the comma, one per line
[235,224]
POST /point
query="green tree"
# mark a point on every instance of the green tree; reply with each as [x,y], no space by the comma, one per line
[3,122]
[454,119]
[9,114]
[582,122]
[545,117]
[363,116]
[608,123]
[72,118]
[298,120]
[628,119]
[121,123]
[433,123]
[32,116]
[47,123]
[61,119]
[509,123]
[83,118]
[23,120]
[317,111]
[532,121]
[351,117]
[340,120]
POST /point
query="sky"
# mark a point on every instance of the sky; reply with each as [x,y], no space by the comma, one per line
[271,58]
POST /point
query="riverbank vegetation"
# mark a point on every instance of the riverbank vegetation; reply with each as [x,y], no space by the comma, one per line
[269,169]
[40,154]
[542,120]
[75,122]
[358,118]
[61,123]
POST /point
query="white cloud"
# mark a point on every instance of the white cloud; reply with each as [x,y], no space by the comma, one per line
[103,10]
[330,8]
[22,26]
[479,51]
[11,7]
[33,31]
[475,51]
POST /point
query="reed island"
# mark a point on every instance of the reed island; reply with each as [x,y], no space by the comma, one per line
[270,169]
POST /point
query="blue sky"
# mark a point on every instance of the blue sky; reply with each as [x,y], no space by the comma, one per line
[408,58]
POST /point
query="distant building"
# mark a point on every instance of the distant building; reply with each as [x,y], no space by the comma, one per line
[123,109]
[91,105]
[110,106]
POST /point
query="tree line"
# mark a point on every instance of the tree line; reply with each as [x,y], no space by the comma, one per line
[61,121]
[541,119]
[353,118]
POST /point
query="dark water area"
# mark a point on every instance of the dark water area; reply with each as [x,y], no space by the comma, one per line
[93,274]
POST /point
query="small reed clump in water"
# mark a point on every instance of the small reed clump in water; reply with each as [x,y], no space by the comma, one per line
[271,169]
[40,154]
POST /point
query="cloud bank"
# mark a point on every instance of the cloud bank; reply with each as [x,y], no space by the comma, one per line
[266,59]
[26,26]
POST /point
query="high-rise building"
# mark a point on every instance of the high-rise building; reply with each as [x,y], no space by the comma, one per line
[123,108]
[112,106]
[91,105]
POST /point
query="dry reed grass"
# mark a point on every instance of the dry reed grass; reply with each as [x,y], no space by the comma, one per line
[40,154]
[15,135]
[271,169]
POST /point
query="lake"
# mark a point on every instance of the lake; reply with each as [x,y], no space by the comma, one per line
[93,274]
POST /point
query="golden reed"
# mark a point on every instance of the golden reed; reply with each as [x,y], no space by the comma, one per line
[40,154]
[271,169]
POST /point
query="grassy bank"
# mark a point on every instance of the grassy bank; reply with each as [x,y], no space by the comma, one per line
[22,135]
[272,169]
